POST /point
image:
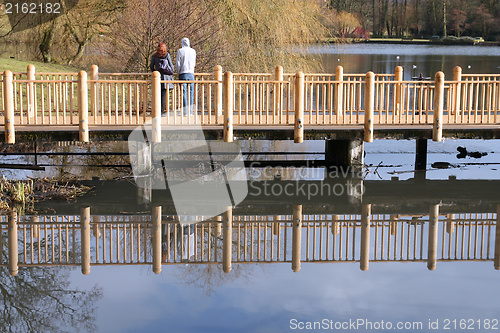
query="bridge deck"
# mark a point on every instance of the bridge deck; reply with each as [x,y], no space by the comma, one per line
[26,133]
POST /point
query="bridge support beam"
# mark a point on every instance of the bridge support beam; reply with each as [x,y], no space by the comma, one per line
[344,153]
[421,154]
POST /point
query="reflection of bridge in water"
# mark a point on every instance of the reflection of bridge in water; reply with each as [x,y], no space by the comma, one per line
[160,240]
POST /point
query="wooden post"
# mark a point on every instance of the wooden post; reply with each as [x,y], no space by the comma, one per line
[156,233]
[218,226]
[296,237]
[94,76]
[228,107]
[156,106]
[227,250]
[30,71]
[13,249]
[278,90]
[339,91]
[496,260]
[335,228]
[457,76]
[83,106]
[398,77]
[450,223]
[299,108]
[366,211]
[85,230]
[218,90]
[433,237]
[369,105]
[437,131]
[96,228]
[393,224]
[8,104]
[35,227]
[276,225]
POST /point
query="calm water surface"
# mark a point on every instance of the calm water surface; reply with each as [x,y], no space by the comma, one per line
[193,295]
[415,59]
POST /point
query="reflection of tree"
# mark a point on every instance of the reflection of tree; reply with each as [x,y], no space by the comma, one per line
[40,299]
[210,276]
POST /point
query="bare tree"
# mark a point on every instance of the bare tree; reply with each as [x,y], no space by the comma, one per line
[40,299]
[146,23]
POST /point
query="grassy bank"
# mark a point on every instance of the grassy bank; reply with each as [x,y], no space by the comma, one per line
[16,65]
[22,194]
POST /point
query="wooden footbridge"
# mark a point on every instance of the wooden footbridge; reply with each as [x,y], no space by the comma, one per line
[252,104]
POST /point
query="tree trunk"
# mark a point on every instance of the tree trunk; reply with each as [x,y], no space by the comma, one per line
[47,42]
[78,54]
[444,18]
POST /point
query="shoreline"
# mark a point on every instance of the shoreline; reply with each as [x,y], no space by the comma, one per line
[415,41]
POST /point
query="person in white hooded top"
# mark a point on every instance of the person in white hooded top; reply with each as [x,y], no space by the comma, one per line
[185,63]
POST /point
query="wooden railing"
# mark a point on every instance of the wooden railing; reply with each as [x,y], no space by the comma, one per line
[250,99]
[85,240]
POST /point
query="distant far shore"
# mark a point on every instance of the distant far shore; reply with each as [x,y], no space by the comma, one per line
[416,41]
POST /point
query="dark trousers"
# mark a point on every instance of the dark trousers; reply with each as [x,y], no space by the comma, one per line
[163,99]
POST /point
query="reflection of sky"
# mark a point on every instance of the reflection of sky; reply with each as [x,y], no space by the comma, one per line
[136,300]
[398,159]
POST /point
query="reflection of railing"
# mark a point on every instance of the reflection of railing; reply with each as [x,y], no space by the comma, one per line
[296,238]
[250,99]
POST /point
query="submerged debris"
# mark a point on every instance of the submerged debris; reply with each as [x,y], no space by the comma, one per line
[442,165]
[462,153]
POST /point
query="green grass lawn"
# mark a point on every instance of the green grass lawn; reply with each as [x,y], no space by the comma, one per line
[16,65]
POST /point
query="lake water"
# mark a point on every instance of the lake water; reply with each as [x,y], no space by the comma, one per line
[415,59]
[351,278]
